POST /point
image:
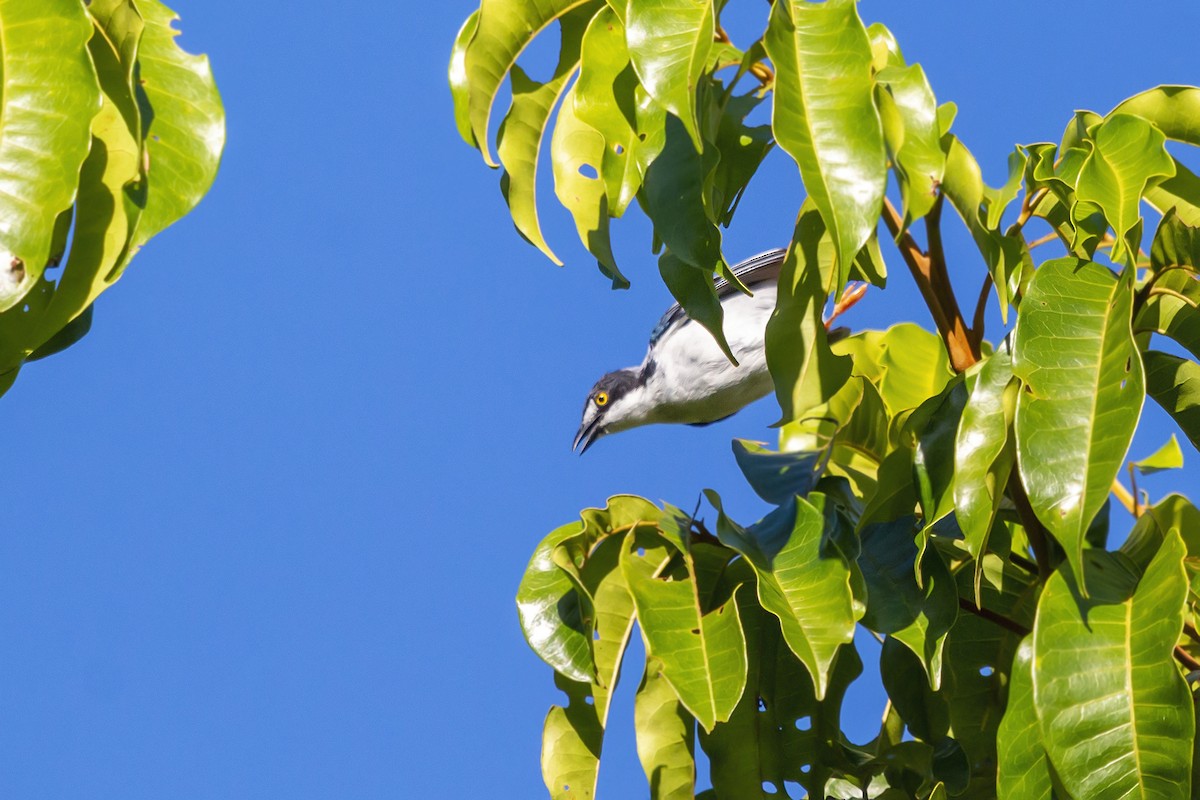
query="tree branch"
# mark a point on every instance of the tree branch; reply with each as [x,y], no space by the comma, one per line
[1034,529]
[993,617]
[929,272]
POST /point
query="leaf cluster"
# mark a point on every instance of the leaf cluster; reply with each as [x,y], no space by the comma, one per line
[948,494]
[109,133]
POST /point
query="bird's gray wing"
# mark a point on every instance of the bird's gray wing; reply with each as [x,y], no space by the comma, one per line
[755,271]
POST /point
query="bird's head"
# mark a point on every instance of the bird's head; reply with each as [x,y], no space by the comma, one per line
[617,402]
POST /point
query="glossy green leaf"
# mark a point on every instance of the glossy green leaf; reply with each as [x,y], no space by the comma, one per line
[1075,353]
[1180,192]
[926,714]
[804,368]
[913,367]
[984,453]
[49,97]
[803,579]
[885,50]
[504,29]
[1169,456]
[1024,769]
[742,149]
[919,615]
[552,613]
[703,651]
[519,141]
[1126,153]
[665,736]
[577,153]
[1174,110]
[909,113]
[1176,243]
[777,477]
[824,115]
[1172,308]
[459,86]
[696,292]
[184,119]
[1174,383]
[669,42]
[1124,725]
[609,98]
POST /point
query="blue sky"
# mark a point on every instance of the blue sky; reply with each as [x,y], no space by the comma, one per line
[266,522]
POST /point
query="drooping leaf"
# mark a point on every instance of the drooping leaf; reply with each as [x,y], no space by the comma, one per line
[552,613]
[669,42]
[824,115]
[571,741]
[934,428]
[703,651]
[48,98]
[984,453]
[803,578]
[184,120]
[1174,383]
[1176,243]
[1124,725]
[524,127]
[1173,110]
[804,368]
[776,477]
[1126,153]
[504,29]
[459,86]
[609,98]
[919,615]
[741,149]
[909,113]
[1075,353]
[665,736]
[926,714]
[577,153]
[1024,768]
[695,291]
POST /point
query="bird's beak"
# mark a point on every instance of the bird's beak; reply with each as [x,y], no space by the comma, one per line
[588,433]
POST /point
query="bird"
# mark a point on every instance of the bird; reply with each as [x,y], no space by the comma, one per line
[685,377]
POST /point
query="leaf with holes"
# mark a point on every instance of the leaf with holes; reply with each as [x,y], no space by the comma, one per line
[1075,353]
[824,116]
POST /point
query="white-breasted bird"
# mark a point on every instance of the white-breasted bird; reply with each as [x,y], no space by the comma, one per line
[685,378]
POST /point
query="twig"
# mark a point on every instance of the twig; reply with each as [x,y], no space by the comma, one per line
[849,299]
[1185,658]
[993,617]
[1191,631]
[1049,237]
[930,274]
[980,310]
[1029,205]
[1128,500]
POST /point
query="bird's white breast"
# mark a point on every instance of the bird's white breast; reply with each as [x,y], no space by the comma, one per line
[695,382]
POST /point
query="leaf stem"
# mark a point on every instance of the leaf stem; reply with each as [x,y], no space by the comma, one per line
[980,310]
[1185,658]
[993,617]
[1049,237]
[1029,205]
[1128,500]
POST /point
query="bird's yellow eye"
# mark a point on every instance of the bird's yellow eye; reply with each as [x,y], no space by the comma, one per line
[602,398]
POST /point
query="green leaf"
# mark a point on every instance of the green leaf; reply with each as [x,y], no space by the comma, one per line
[1024,767]
[609,98]
[524,127]
[984,453]
[703,651]
[669,42]
[571,741]
[48,98]
[1180,192]
[1084,382]
[1174,383]
[1124,725]
[804,368]
[913,367]
[552,613]
[184,119]
[934,427]
[1125,154]
[804,579]
[925,713]
[665,736]
[909,113]
[1172,308]
[777,477]
[885,50]
[998,200]
[919,615]
[459,86]
[1176,244]
[695,291]
[577,153]
[825,118]
[741,149]
[1169,456]
[1173,110]
[504,29]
